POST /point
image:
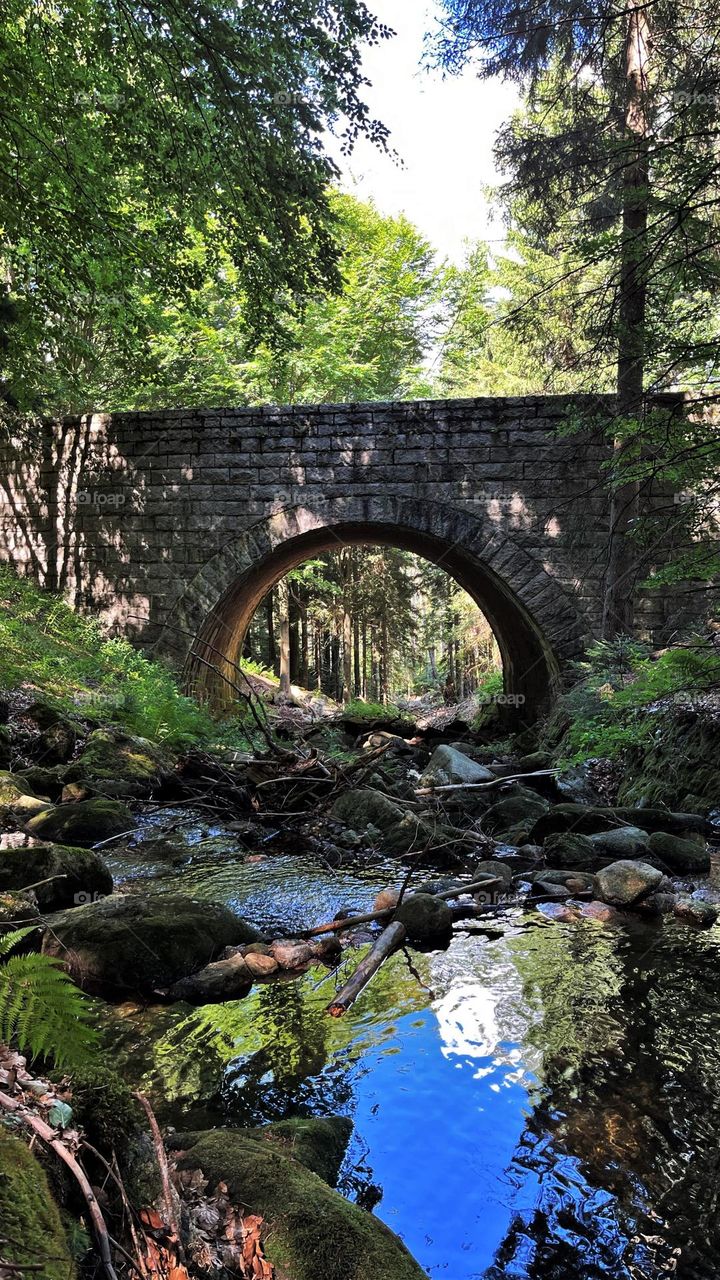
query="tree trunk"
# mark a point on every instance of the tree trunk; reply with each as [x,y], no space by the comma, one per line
[284,611]
[620,583]
[294,636]
[304,644]
[270,620]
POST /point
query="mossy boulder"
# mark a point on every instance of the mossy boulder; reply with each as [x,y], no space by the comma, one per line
[426,918]
[17,798]
[591,819]
[567,849]
[317,1142]
[621,842]
[30,1224]
[679,855]
[85,823]
[104,1107]
[381,821]
[117,764]
[513,816]
[366,807]
[124,944]
[310,1232]
[74,875]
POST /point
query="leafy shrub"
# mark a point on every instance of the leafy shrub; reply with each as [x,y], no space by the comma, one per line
[44,644]
[609,710]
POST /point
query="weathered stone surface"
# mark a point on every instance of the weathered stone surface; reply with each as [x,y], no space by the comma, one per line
[589,820]
[679,855]
[113,763]
[17,797]
[83,823]
[569,849]
[695,911]
[63,876]
[30,1216]
[447,766]
[124,944]
[511,818]
[425,917]
[625,882]
[621,842]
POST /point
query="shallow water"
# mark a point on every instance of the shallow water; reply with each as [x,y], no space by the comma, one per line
[540,1104]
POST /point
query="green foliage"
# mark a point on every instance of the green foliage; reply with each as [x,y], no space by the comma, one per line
[358,709]
[610,709]
[43,643]
[40,1008]
[145,147]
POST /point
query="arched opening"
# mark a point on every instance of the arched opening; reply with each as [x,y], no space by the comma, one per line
[218,611]
[373,624]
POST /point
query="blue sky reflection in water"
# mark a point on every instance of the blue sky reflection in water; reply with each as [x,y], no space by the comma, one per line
[539,1106]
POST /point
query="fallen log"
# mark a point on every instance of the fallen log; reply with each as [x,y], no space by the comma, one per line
[390,939]
[349,922]
[483,786]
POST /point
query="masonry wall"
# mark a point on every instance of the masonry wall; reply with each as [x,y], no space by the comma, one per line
[120,512]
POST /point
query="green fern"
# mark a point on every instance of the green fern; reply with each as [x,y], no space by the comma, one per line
[40,1008]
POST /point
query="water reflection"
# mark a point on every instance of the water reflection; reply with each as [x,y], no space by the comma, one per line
[545,1105]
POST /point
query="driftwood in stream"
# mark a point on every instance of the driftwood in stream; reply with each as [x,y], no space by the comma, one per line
[390,939]
[349,922]
[484,786]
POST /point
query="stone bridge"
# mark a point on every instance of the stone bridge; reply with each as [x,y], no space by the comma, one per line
[173,525]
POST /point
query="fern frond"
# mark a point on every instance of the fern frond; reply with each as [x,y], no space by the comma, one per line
[9,941]
[43,1011]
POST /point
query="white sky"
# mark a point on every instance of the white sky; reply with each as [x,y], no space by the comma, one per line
[442,129]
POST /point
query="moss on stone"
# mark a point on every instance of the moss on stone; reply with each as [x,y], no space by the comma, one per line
[124,944]
[310,1231]
[104,1108]
[84,823]
[116,764]
[30,1219]
[80,873]
[317,1142]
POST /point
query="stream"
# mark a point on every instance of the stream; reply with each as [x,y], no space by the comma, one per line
[539,1100]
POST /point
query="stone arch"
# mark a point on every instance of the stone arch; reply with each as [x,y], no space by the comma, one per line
[538,626]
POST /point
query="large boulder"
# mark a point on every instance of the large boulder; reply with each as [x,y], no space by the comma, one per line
[113,763]
[62,876]
[124,944]
[366,807]
[624,883]
[17,798]
[681,856]
[426,918]
[381,821]
[34,1241]
[309,1231]
[621,842]
[568,849]
[590,819]
[447,766]
[85,823]
[514,815]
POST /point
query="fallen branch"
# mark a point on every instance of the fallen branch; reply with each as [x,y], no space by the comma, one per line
[349,922]
[390,939]
[484,786]
[49,1136]
[161,1157]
